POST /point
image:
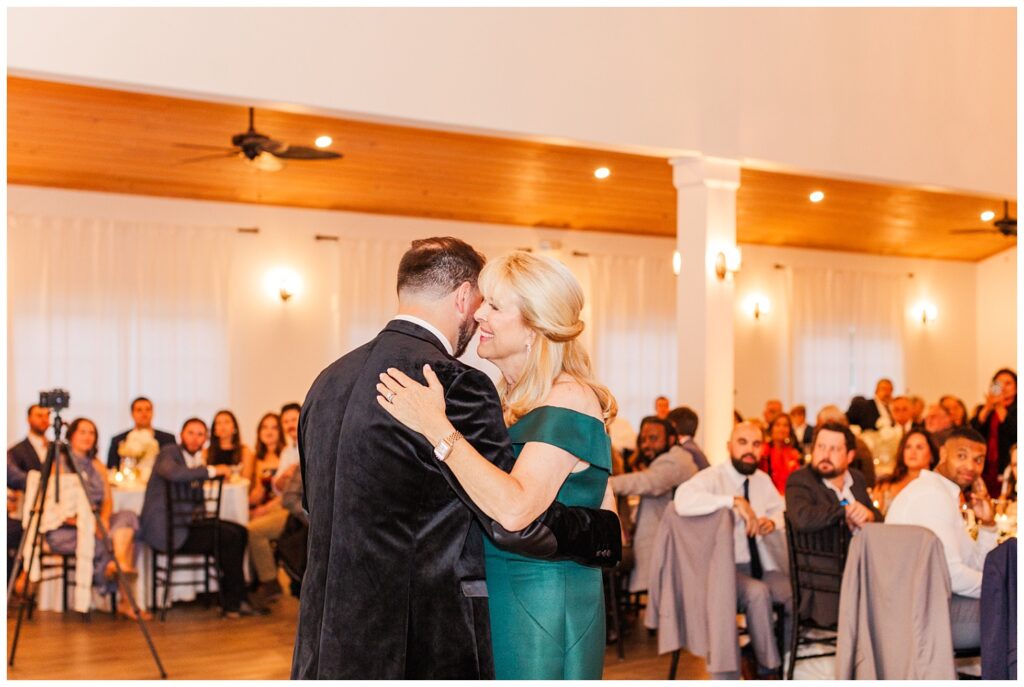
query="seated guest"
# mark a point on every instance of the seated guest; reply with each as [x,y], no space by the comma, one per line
[641,460]
[956,409]
[903,414]
[918,451]
[938,424]
[1009,492]
[226,447]
[290,454]
[685,421]
[869,414]
[917,410]
[779,456]
[933,500]
[862,461]
[996,420]
[142,416]
[829,491]
[739,485]
[266,515]
[668,466]
[772,409]
[82,440]
[27,454]
[184,463]
[803,431]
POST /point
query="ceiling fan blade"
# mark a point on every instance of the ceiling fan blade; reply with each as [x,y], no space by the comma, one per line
[215,156]
[302,153]
[197,146]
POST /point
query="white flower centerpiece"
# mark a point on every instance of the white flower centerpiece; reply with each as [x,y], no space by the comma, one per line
[138,453]
[884,442]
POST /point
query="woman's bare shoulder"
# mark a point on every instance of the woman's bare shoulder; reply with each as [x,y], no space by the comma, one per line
[569,393]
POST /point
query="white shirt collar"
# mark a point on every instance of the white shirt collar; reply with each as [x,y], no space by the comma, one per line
[846,490]
[193,460]
[430,328]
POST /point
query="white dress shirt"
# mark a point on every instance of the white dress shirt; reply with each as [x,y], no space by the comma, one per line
[289,457]
[39,444]
[716,486]
[430,328]
[846,492]
[195,460]
[933,501]
[884,416]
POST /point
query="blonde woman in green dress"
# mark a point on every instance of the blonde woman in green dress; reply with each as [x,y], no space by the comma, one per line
[547,617]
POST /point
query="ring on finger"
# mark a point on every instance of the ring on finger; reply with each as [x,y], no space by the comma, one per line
[390,396]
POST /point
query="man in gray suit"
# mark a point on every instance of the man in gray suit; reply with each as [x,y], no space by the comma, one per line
[668,466]
[184,463]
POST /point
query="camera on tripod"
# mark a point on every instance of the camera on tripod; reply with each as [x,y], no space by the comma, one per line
[58,399]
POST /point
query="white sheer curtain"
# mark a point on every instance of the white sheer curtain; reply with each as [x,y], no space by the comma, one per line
[112,310]
[634,330]
[846,333]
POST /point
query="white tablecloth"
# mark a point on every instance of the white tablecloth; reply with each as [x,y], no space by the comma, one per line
[234,507]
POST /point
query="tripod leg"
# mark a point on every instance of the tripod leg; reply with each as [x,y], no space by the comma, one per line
[35,517]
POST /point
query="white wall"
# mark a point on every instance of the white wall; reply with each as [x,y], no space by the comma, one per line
[919,95]
[277,350]
[997,316]
[939,357]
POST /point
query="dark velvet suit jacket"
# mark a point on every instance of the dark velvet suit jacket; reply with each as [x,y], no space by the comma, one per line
[114,461]
[170,466]
[21,458]
[395,583]
[863,412]
[810,505]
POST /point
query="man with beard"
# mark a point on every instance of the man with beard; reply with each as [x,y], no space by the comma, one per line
[934,500]
[668,466]
[739,485]
[394,584]
[826,493]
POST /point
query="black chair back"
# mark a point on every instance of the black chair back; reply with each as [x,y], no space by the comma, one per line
[817,558]
[192,502]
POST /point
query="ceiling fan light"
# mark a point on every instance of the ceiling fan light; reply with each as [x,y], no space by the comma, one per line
[323,141]
[988,216]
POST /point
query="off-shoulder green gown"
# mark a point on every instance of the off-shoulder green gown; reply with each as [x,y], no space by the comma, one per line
[547,617]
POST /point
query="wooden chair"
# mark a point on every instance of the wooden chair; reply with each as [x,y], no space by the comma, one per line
[188,504]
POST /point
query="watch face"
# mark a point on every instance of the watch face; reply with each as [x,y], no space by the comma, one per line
[442,450]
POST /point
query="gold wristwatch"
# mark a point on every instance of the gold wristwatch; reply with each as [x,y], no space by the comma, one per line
[444,449]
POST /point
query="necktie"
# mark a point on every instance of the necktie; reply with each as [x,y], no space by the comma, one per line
[755,556]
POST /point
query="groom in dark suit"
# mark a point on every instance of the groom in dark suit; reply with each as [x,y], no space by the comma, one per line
[142,416]
[394,585]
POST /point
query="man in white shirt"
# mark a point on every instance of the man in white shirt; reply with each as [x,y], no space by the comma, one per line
[759,508]
[903,413]
[290,455]
[933,500]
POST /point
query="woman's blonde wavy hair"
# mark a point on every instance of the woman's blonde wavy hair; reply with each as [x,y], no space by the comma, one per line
[550,301]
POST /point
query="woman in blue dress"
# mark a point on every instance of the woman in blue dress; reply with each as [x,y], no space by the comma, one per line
[547,617]
[122,526]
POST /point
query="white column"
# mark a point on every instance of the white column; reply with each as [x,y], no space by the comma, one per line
[706,226]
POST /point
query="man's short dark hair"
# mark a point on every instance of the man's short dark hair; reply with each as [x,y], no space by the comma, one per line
[685,420]
[438,266]
[31,408]
[968,433]
[291,406]
[851,440]
[189,421]
[670,429]
[140,398]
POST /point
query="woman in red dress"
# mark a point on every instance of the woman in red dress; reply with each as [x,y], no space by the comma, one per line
[779,457]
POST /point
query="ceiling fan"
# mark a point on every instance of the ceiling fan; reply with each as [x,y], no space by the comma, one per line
[260,151]
[1005,225]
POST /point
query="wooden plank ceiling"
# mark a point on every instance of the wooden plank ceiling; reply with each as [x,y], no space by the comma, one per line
[70,136]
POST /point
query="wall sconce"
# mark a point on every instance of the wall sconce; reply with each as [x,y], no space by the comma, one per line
[282,283]
[677,262]
[926,312]
[758,306]
[728,261]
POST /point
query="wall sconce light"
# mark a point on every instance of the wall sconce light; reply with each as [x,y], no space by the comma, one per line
[282,283]
[728,262]
[677,262]
[926,312]
[758,306]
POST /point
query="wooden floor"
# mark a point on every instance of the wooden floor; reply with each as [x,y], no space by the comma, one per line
[195,643]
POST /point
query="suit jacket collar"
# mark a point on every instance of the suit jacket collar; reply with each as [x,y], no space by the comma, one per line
[417,332]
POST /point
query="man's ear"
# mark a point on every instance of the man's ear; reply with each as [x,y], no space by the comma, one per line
[463,294]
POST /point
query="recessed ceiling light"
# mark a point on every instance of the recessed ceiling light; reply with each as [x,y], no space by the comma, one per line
[323,141]
[988,216]
[602,172]
[817,197]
